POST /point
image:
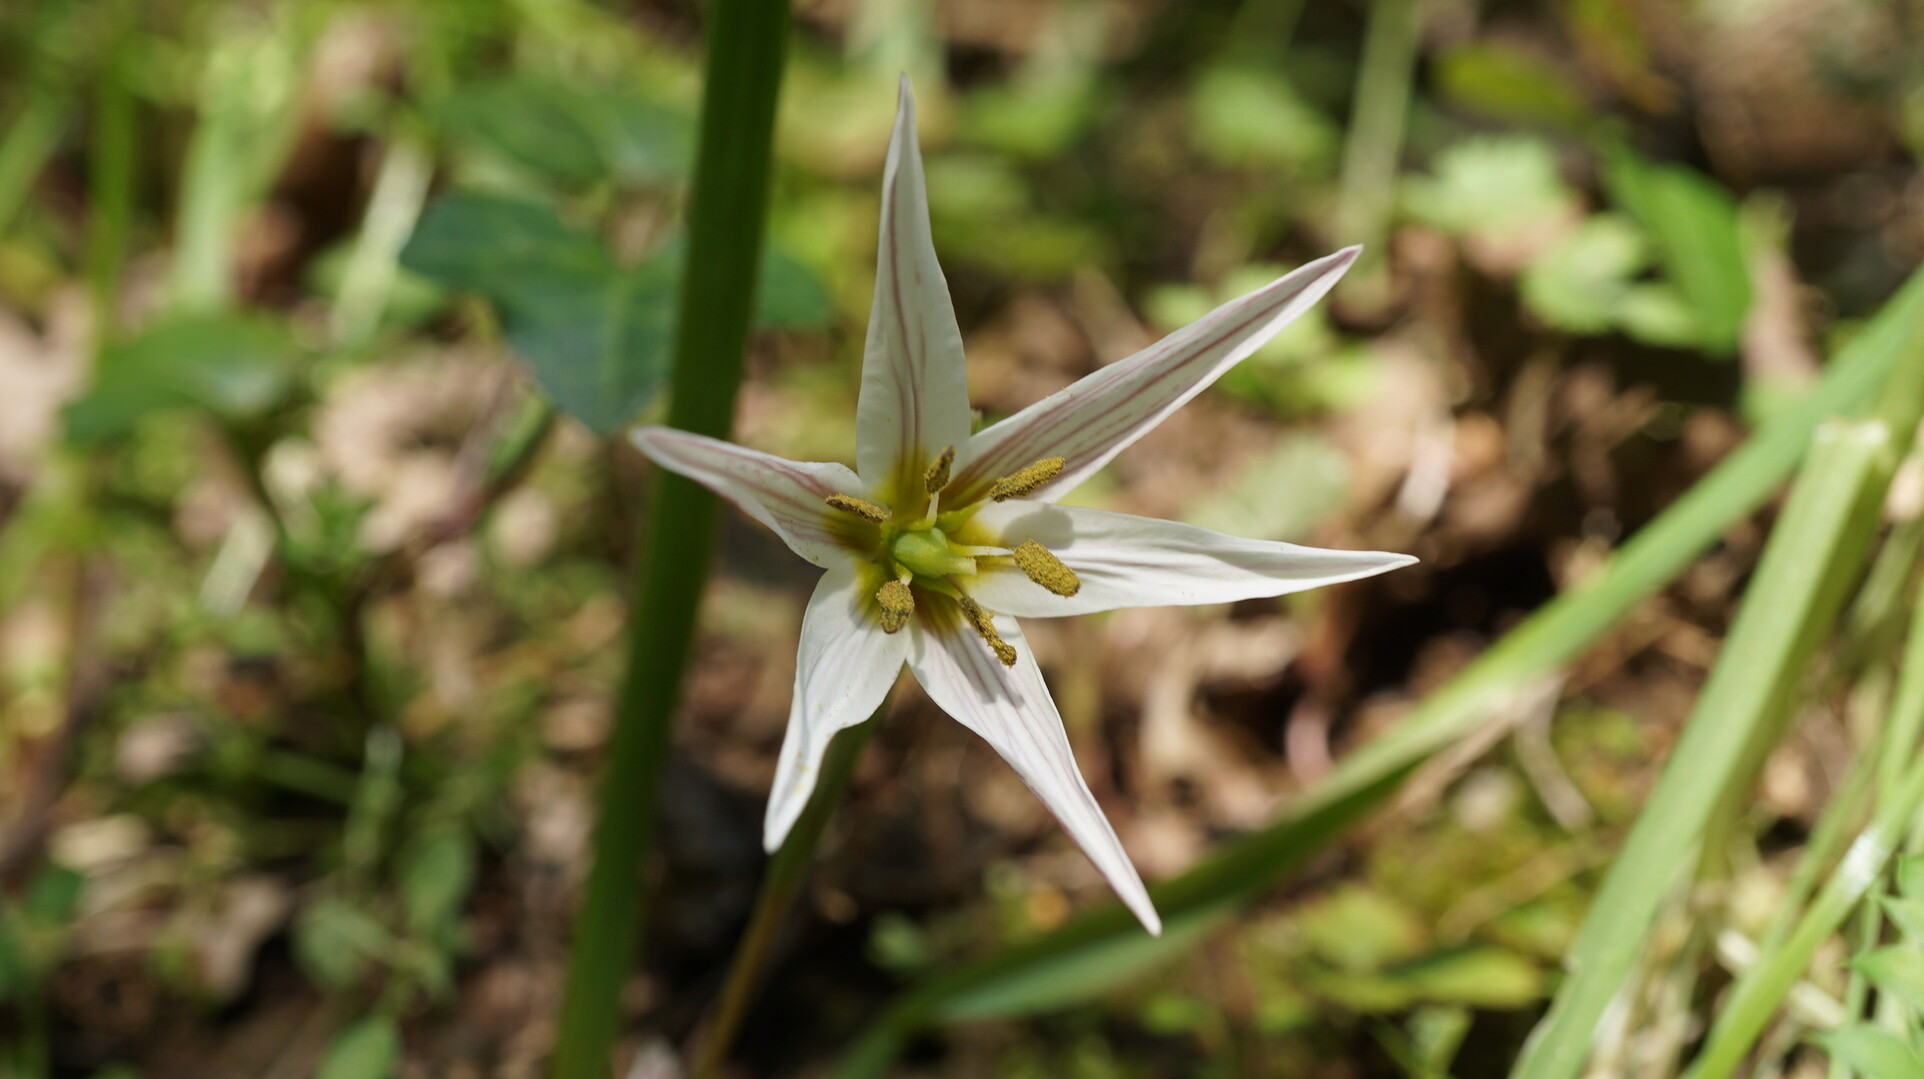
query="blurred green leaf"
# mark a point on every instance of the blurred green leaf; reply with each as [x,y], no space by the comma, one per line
[1873,1052]
[1085,974]
[1498,81]
[1359,928]
[1580,284]
[14,970]
[1251,116]
[1698,235]
[1910,877]
[1474,977]
[550,131]
[54,895]
[1908,915]
[648,140]
[369,1049]
[1897,971]
[1036,119]
[236,366]
[1493,188]
[595,333]
[1658,314]
[1281,495]
[437,871]
[334,940]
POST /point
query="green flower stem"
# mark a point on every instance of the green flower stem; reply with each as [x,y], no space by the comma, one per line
[786,871]
[728,204]
[1368,187]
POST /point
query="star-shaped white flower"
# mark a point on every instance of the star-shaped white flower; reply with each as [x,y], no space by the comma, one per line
[939,536]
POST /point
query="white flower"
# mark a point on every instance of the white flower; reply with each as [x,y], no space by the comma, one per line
[939,536]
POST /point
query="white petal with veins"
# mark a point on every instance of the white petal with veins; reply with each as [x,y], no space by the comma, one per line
[790,497]
[1127,561]
[1011,709]
[915,396]
[1093,419]
[843,672]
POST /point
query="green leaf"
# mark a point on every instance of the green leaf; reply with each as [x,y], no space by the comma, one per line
[1501,82]
[488,243]
[1494,188]
[1910,877]
[1281,495]
[234,366]
[1475,977]
[1358,928]
[54,896]
[594,334]
[1698,236]
[1908,915]
[1081,976]
[549,131]
[334,941]
[437,871]
[1897,971]
[1580,284]
[1658,314]
[1243,115]
[1873,1052]
[367,1050]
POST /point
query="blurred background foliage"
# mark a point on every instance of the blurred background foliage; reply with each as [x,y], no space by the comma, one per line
[316,316]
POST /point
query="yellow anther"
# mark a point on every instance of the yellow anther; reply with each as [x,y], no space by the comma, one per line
[1045,569]
[897,603]
[985,629]
[937,477]
[1026,479]
[860,507]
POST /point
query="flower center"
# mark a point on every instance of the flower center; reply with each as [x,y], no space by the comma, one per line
[916,555]
[927,552]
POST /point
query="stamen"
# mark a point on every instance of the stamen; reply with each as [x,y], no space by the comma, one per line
[937,477]
[1026,479]
[985,629]
[860,507]
[897,604]
[1045,569]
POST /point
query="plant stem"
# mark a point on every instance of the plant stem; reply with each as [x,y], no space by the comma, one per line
[1368,187]
[728,203]
[783,880]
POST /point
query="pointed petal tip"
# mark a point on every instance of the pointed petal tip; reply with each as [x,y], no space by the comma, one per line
[775,825]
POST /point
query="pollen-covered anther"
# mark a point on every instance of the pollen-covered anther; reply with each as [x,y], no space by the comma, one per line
[1044,568]
[860,507]
[937,477]
[985,629]
[1026,479]
[897,604]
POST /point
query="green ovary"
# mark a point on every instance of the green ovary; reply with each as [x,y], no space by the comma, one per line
[928,553]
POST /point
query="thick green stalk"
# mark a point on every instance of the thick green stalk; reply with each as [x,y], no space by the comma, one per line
[728,205]
[780,883]
[1535,650]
